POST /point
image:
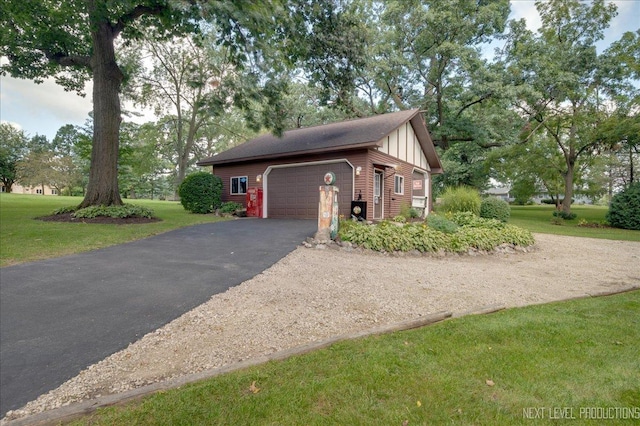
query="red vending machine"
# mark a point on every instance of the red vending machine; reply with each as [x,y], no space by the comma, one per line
[254,202]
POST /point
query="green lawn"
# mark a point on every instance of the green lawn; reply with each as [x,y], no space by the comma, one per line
[538,219]
[522,366]
[23,239]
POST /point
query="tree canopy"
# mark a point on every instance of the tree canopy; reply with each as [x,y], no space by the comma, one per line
[74,41]
[542,112]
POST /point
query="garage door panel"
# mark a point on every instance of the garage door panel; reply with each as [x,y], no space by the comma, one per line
[292,192]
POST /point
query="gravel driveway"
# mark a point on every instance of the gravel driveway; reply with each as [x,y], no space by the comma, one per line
[315,294]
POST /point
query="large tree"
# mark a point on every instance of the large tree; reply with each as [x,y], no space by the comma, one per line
[436,64]
[190,83]
[564,84]
[74,41]
[14,145]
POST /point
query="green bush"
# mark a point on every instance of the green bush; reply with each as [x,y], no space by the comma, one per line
[495,208]
[485,234]
[461,199]
[441,224]
[472,221]
[624,211]
[564,215]
[399,218]
[67,209]
[201,192]
[390,237]
[408,212]
[121,212]
[230,207]
[550,201]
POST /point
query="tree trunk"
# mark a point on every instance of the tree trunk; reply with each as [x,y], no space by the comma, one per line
[631,177]
[107,79]
[568,187]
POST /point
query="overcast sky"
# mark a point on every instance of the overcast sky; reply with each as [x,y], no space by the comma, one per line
[44,108]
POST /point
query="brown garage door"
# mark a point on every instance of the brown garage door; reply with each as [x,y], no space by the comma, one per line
[292,192]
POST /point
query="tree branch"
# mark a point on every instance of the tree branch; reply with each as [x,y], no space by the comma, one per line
[134,14]
[480,100]
[69,60]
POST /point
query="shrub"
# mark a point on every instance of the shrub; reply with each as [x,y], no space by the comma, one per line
[461,199]
[550,201]
[200,192]
[441,224]
[472,221]
[495,208]
[386,236]
[564,215]
[409,212]
[400,219]
[63,210]
[121,212]
[557,221]
[624,211]
[230,207]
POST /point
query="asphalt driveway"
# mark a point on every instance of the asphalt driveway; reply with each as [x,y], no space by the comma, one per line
[61,315]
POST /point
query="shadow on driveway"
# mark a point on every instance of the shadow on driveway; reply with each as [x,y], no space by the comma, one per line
[59,316]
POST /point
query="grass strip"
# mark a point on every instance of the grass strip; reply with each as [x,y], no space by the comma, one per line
[25,239]
[568,363]
[538,219]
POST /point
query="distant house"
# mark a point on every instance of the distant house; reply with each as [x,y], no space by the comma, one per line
[16,188]
[385,161]
[501,192]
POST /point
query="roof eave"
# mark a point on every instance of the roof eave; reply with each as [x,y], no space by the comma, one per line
[360,145]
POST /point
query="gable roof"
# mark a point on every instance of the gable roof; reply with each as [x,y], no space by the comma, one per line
[358,133]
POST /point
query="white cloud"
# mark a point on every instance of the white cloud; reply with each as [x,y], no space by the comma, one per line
[41,108]
[526,9]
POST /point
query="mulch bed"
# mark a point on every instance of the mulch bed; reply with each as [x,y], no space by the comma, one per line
[66,217]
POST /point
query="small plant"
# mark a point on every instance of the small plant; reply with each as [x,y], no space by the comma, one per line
[230,207]
[624,211]
[472,221]
[495,208]
[564,215]
[399,218]
[441,224]
[409,212]
[121,212]
[63,210]
[201,192]
[584,223]
[461,199]
[556,220]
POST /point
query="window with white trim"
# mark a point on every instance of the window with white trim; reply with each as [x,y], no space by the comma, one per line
[238,185]
[38,191]
[398,184]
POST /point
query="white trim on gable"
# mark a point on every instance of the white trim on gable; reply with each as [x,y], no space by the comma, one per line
[402,143]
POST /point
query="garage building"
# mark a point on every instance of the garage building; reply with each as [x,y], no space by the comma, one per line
[385,161]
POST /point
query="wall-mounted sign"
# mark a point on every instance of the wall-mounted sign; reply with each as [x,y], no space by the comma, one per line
[417,184]
[329,178]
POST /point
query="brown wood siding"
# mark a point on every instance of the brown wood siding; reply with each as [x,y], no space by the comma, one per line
[362,184]
[392,202]
[253,169]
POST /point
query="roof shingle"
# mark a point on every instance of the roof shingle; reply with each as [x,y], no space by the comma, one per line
[357,133]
